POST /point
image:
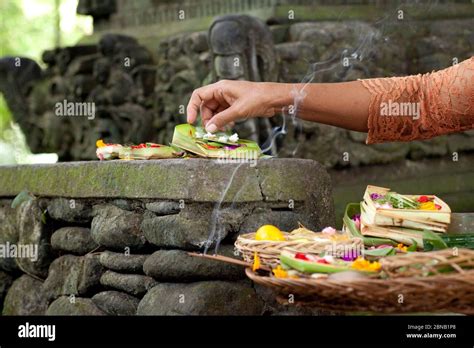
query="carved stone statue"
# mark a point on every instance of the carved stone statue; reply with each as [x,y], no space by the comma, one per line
[242,49]
[96,8]
[18,75]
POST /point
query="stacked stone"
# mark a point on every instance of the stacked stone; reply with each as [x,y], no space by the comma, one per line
[137,98]
[126,256]
[107,268]
[117,75]
[183,64]
[110,267]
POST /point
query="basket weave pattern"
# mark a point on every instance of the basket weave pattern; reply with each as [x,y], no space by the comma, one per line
[269,251]
[451,292]
[421,263]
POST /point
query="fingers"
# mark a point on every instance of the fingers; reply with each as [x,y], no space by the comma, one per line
[193,107]
[206,114]
[199,96]
[206,100]
[221,119]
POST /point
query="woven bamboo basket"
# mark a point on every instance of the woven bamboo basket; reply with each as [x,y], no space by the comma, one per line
[405,290]
[269,251]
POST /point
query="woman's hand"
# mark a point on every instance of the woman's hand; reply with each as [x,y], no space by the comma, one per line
[343,104]
[226,101]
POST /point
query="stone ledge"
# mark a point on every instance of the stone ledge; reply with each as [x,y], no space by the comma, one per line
[197,180]
[117,207]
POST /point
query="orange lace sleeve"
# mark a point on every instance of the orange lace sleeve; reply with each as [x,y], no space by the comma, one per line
[421,106]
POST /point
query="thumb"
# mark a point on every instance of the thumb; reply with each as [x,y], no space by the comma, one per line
[221,119]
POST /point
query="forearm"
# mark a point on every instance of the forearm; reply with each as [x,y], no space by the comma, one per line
[344,104]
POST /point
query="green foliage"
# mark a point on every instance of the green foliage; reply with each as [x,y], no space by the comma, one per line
[5,116]
[24,36]
[27,28]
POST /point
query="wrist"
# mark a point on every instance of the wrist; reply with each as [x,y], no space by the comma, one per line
[278,95]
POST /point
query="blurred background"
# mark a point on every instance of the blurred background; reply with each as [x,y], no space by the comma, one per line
[139,61]
[27,29]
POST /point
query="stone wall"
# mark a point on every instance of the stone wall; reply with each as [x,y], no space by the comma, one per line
[112,238]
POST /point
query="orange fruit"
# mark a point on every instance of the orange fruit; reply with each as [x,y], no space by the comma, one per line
[269,232]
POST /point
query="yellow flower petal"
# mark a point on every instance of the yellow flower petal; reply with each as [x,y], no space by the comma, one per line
[280,272]
[256,262]
[428,206]
[362,264]
[100,143]
[402,247]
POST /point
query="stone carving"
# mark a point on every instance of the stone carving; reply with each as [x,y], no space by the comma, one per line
[242,49]
[116,76]
[97,8]
[18,75]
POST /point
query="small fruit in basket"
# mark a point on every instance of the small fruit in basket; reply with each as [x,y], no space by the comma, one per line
[269,232]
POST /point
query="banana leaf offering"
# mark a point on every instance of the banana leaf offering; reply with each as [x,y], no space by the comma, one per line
[382,207]
[187,141]
[144,151]
[224,145]
[405,238]
[306,265]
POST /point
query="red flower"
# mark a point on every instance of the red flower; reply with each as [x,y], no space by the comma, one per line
[423,199]
[323,261]
[301,256]
[438,206]
[210,147]
[141,146]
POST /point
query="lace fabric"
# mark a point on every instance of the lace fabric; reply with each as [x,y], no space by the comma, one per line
[421,106]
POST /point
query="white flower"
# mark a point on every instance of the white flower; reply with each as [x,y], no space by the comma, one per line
[329,258]
[223,138]
[234,138]
[199,135]
[209,136]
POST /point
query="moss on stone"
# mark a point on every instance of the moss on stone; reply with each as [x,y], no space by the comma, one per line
[188,179]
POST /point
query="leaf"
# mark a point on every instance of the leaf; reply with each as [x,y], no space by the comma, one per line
[433,241]
[413,247]
[380,252]
[465,240]
[355,208]
[23,196]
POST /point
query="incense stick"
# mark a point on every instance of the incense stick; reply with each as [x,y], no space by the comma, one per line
[227,259]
